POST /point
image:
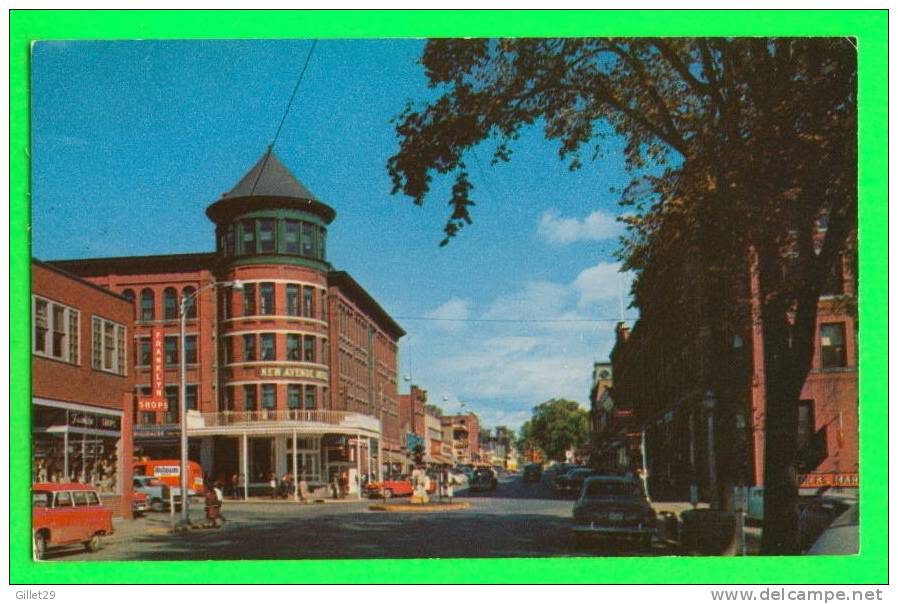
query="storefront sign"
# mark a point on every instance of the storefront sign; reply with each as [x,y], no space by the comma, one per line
[83,419]
[156,401]
[828,479]
[291,372]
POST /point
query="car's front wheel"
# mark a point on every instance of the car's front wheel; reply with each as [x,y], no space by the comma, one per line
[157,505]
[94,544]
[40,546]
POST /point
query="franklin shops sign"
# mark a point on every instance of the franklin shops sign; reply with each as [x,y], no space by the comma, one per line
[82,419]
[270,371]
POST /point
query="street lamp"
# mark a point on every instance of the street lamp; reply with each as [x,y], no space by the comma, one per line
[182,309]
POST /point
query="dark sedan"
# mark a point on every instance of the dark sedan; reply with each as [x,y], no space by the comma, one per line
[533,472]
[569,485]
[484,479]
[614,506]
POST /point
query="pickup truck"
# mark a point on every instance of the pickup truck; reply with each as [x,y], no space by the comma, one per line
[158,493]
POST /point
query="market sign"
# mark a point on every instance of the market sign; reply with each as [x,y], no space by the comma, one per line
[156,401]
[828,479]
[270,371]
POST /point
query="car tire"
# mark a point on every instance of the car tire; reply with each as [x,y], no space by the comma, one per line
[94,544]
[40,546]
[157,505]
[388,493]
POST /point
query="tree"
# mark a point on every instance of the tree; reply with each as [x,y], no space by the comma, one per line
[557,425]
[747,145]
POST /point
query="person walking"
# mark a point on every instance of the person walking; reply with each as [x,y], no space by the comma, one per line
[273,485]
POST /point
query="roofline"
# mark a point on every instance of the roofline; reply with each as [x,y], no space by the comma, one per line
[227,208]
[344,279]
[77,278]
[104,266]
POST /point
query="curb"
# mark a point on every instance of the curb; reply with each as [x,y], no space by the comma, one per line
[412,507]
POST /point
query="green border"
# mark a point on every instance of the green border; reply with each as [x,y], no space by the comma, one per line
[869,27]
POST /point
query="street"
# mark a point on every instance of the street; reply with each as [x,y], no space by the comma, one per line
[517,520]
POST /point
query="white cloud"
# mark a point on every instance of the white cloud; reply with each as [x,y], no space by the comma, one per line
[561,231]
[450,315]
[601,283]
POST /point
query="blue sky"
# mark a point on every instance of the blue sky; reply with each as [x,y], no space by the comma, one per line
[132,140]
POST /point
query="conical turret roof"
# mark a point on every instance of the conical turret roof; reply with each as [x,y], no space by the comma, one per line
[269,177]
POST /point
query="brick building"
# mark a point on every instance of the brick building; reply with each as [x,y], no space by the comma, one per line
[291,364]
[81,385]
[463,434]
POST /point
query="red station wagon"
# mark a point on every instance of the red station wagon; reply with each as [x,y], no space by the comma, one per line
[65,514]
[395,487]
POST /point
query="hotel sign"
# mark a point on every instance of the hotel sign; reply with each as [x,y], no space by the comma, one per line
[274,371]
[156,401]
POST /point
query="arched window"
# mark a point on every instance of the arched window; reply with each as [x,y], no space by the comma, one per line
[170,303]
[147,305]
[129,294]
[187,294]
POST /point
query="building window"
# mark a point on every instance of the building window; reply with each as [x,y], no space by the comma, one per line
[294,396]
[322,237]
[268,347]
[171,399]
[56,331]
[324,359]
[266,235]
[249,299]
[229,241]
[108,346]
[226,306]
[249,347]
[266,299]
[308,301]
[192,397]
[147,305]
[227,347]
[292,347]
[308,239]
[249,397]
[324,306]
[171,350]
[291,237]
[308,346]
[293,300]
[834,284]
[190,350]
[145,417]
[228,403]
[190,300]
[144,352]
[248,240]
[170,303]
[832,345]
[310,397]
[269,396]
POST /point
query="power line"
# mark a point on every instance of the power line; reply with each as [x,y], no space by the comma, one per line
[284,117]
[596,320]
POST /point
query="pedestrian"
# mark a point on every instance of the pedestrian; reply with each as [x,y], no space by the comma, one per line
[335,484]
[241,486]
[233,484]
[273,485]
[344,483]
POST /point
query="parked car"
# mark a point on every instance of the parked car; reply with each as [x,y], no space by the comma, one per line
[815,513]
[570,484]
[168,471]
[157,492]
[614,506]
[66,514]
[484,479]
[395,487]
[533,472]
[841,537]
[139,504]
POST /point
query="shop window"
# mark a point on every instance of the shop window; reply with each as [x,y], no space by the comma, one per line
[832,345]
[269,396]
[267,235]
[56,331]
[266,299]
[171,350]
[188,293]
[249,299]
[293,347]
[171,399]
[147,305]
[310,397]
[294,396]
[291,236]
[248,236]
[308,346]
[250,393]
[190,350]
[308,239]
[268,347]
[170,303]
[249,347]
[308,301]
[293,300]
[108,346]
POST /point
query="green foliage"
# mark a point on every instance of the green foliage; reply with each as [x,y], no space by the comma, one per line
[556,426]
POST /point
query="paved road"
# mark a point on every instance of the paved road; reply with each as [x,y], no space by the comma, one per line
[517,520]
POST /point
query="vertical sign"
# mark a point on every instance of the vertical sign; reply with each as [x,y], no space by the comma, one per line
[156,401]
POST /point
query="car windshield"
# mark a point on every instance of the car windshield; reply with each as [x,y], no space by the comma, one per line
[40,499]
[598,489]
[483,472]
